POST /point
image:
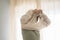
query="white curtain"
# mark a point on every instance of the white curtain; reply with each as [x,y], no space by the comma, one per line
[21,9]
[50,8]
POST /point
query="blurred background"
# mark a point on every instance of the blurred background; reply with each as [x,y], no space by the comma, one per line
[12,10]
[4,19]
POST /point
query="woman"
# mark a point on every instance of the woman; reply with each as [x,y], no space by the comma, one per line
[32,22]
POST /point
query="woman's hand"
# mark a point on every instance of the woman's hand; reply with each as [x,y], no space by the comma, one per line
[37,11]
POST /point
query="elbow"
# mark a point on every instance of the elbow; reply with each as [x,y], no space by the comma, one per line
[48,23]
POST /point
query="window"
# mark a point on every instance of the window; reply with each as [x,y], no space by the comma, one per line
[50,8]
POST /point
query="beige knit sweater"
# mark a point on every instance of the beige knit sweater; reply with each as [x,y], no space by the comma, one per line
[30,21]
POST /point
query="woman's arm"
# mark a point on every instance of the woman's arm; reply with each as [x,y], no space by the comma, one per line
[45,20]
[26,17]
[27,22]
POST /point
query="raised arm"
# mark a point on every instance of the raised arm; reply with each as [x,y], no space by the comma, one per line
[45,20]
[26,17]
[27,21]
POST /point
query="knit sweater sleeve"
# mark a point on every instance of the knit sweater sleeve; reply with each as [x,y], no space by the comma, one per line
[26,17]
[43,22]
[30,26]
[24,21]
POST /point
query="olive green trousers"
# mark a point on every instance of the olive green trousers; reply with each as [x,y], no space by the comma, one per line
[30,34]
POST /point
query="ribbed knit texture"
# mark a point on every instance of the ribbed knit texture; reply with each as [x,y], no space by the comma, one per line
[29,21]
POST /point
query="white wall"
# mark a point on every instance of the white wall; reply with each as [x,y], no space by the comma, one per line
[51,9]
[4,19]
